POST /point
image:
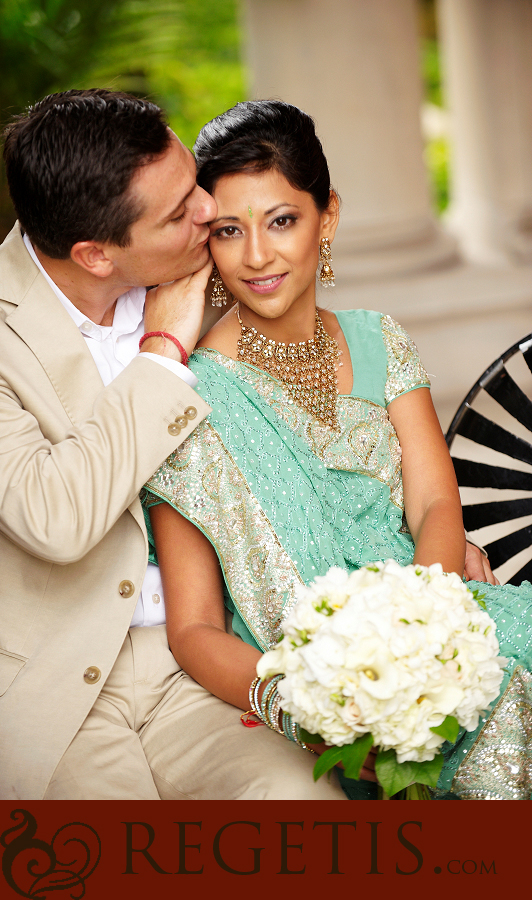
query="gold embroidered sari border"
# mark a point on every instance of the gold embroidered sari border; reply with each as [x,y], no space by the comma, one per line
[259,573]
[496,739]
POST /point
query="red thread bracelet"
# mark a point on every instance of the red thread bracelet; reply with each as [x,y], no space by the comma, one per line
[164,334]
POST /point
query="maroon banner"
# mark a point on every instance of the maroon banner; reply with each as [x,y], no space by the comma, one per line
[147,850]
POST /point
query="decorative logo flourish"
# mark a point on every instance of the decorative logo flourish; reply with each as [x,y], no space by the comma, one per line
[34,868]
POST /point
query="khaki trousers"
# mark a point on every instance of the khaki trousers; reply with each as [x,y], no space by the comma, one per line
[154,734]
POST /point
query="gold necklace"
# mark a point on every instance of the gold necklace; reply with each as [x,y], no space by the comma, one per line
[308,369]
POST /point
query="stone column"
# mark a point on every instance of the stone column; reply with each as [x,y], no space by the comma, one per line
[487,54]
[354,66]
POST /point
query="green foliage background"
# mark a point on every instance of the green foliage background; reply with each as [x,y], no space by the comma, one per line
[437,149]
[183,54]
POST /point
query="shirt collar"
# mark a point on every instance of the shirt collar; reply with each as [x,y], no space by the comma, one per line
[129,310]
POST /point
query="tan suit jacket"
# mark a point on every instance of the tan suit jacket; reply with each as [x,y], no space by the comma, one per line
[73,457]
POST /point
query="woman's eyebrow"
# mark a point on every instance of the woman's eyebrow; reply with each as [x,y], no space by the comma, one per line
[267,212]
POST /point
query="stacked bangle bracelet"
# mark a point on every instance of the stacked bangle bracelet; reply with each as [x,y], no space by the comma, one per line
[268,710]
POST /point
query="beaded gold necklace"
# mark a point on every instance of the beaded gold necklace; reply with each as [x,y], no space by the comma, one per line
[308,369]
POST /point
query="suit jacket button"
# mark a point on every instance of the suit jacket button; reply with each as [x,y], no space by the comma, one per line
[92,675]
[191,412]
[126,588]
[182,421]
[174,429]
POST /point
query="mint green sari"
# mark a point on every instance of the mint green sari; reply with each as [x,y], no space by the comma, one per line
[282,498]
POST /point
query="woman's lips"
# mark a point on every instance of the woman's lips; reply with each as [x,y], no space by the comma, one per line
[265,285]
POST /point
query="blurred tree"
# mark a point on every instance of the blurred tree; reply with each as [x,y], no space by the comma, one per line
[183,54]
[45,45]
[437,150]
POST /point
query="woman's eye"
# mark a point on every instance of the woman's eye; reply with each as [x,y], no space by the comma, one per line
[182,216]
[227,231]
[284,221]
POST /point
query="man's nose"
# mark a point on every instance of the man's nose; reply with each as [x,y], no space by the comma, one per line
[207,207]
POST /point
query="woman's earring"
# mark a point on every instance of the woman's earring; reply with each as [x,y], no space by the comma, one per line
[326,274]
[218,296]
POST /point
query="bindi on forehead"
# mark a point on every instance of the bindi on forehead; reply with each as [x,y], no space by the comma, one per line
[250,212]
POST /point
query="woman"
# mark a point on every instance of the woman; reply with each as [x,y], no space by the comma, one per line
[322,423]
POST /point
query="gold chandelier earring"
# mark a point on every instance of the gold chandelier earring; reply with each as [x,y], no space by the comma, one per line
[326,274]
[218,296]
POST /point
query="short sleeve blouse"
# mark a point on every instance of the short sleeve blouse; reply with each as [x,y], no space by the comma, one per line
[384,357]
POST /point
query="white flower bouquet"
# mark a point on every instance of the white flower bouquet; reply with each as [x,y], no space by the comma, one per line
[388,656]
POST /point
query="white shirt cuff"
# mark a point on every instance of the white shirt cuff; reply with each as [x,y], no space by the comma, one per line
[177,368]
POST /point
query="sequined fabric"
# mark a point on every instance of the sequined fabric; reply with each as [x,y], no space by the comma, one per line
[494,761]
[309,516]
[281,496]
[499,765]
[404,365]
[365,441]
[202,481]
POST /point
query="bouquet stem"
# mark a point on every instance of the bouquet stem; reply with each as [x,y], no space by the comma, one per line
[412,792]
[417,791]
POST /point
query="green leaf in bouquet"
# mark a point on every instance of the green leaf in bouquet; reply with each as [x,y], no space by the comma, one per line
[327,761]
[480,599]
[309,738]
[428,772]
[395,776]
[354,755]
[448,729]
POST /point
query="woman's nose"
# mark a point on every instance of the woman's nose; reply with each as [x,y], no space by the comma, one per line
[258,251]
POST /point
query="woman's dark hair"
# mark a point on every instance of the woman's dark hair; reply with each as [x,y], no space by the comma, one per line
[69,163]
[260,135]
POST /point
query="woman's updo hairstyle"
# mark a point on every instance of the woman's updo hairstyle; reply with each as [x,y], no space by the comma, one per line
[261,135]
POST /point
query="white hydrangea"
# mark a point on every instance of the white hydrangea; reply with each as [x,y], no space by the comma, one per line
[389,650]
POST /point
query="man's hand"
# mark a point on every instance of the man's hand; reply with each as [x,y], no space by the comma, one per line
[177,308]
[477,567]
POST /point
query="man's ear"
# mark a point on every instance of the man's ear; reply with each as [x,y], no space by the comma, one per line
[92,257]
[330,216]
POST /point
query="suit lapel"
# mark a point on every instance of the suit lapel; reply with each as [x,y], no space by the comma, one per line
[47,329]
[45,326]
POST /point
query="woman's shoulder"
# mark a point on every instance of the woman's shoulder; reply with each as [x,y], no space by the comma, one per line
[361,321]
[362,327]
[223,335]
[369,325]
[385,359]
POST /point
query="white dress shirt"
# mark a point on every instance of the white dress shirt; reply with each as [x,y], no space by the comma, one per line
[112,347]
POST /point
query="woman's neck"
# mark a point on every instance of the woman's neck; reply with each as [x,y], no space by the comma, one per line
[294,326]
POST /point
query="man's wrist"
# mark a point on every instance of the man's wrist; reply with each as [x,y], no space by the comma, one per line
[164,344]
[183,372]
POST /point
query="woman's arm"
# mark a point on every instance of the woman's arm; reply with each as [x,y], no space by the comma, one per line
[432,502]
[195,616]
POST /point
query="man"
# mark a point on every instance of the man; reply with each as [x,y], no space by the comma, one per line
[92,703]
